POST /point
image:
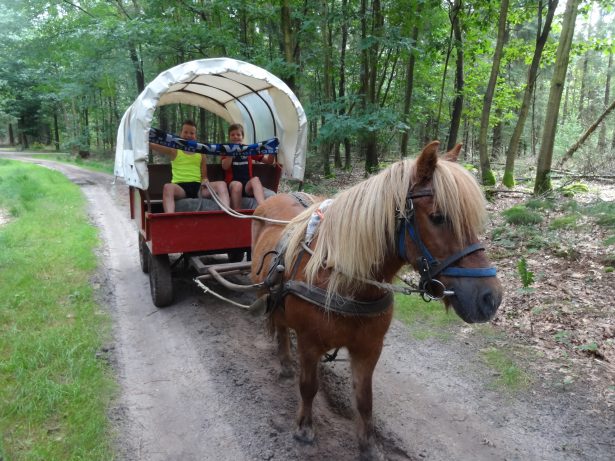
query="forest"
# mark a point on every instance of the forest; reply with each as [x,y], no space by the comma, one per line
[513,80]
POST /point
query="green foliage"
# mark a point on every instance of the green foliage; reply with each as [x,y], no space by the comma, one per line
[54,391]
[425,319]
[527,276]
[509,375]
[562,337]
[564,222]
[604,212]
[571,190]
[77,63]
[540,204]
[520,215]
[588,347]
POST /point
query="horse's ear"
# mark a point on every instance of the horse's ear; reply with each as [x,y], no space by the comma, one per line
[453,154]
[426,163]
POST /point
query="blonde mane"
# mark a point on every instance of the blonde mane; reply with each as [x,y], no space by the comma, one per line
[359,226]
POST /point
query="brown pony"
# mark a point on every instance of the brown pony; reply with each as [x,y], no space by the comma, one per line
[427,212]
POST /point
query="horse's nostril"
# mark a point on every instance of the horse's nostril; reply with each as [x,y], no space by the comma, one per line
[489,304]
[488,300]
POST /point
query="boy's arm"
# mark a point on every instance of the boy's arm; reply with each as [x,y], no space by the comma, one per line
[204,177]
[226,162]
[170,151]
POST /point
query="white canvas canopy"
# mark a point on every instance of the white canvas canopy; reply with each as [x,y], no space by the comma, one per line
[237,91]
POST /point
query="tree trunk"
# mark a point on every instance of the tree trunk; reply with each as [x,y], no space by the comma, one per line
[409,83]
[370,70]
[371,158]
[496,145]
[325,147]
[486,174]
[545,156]
[451,14]
[342,81]
[288,44]
[459,82]
[568,155]
[21,124]
[583,87]
[138,67]
[602,135]
[11,135]
[56,131]
[541,39]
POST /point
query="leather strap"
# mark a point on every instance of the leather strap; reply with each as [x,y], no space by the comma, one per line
[337,304]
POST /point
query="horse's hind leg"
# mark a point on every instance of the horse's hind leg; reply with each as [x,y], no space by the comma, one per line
[283,341]
[308,386]
[363,364]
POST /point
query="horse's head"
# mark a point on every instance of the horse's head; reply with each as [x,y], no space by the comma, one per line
[445,212]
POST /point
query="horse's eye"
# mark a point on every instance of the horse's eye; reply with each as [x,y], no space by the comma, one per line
[437,218]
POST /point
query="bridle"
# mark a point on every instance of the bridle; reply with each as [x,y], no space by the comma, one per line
[428,266]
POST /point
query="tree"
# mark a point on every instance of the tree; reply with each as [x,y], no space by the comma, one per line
[459,81]
[541,39]
[486,174]
[409,86]
[562,57]
[570,152]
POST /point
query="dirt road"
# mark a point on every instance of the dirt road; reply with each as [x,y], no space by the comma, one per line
[199,380]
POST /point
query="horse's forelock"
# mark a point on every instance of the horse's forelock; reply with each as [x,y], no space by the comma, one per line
[458,196]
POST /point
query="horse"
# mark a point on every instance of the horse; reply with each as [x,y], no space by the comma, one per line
[334,288]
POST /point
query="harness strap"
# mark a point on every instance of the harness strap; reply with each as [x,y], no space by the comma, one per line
[337,304]
[443,267]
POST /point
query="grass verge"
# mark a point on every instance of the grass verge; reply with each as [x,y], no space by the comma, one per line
[426,320]
[431,320]
[54,389]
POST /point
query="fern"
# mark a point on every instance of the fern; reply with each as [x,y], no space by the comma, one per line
[527,276]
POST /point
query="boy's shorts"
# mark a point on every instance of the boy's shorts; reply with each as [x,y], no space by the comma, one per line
[190,188]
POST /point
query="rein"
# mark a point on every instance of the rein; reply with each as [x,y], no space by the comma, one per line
[428,266]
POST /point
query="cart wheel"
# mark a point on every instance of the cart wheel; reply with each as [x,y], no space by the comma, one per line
[235,256]
[144,254]
[160,281]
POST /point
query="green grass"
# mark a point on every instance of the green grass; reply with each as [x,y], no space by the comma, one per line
[431,320]
[564,222]
[508,374]
[54,390]
[520,215]
[426,320]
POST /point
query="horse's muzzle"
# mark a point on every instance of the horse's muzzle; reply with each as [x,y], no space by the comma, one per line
[476,299]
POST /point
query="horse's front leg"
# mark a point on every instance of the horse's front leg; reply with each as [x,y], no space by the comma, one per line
[363,364]
[308,386]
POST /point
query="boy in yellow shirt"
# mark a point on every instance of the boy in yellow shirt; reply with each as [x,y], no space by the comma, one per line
[189,173]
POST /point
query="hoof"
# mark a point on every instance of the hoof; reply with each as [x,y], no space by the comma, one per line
[287,373]
[371,453]
[304,434]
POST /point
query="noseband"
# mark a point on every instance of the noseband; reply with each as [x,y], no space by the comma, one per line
[428,266]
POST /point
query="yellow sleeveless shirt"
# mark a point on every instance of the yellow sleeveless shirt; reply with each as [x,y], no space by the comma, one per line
[186,167]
